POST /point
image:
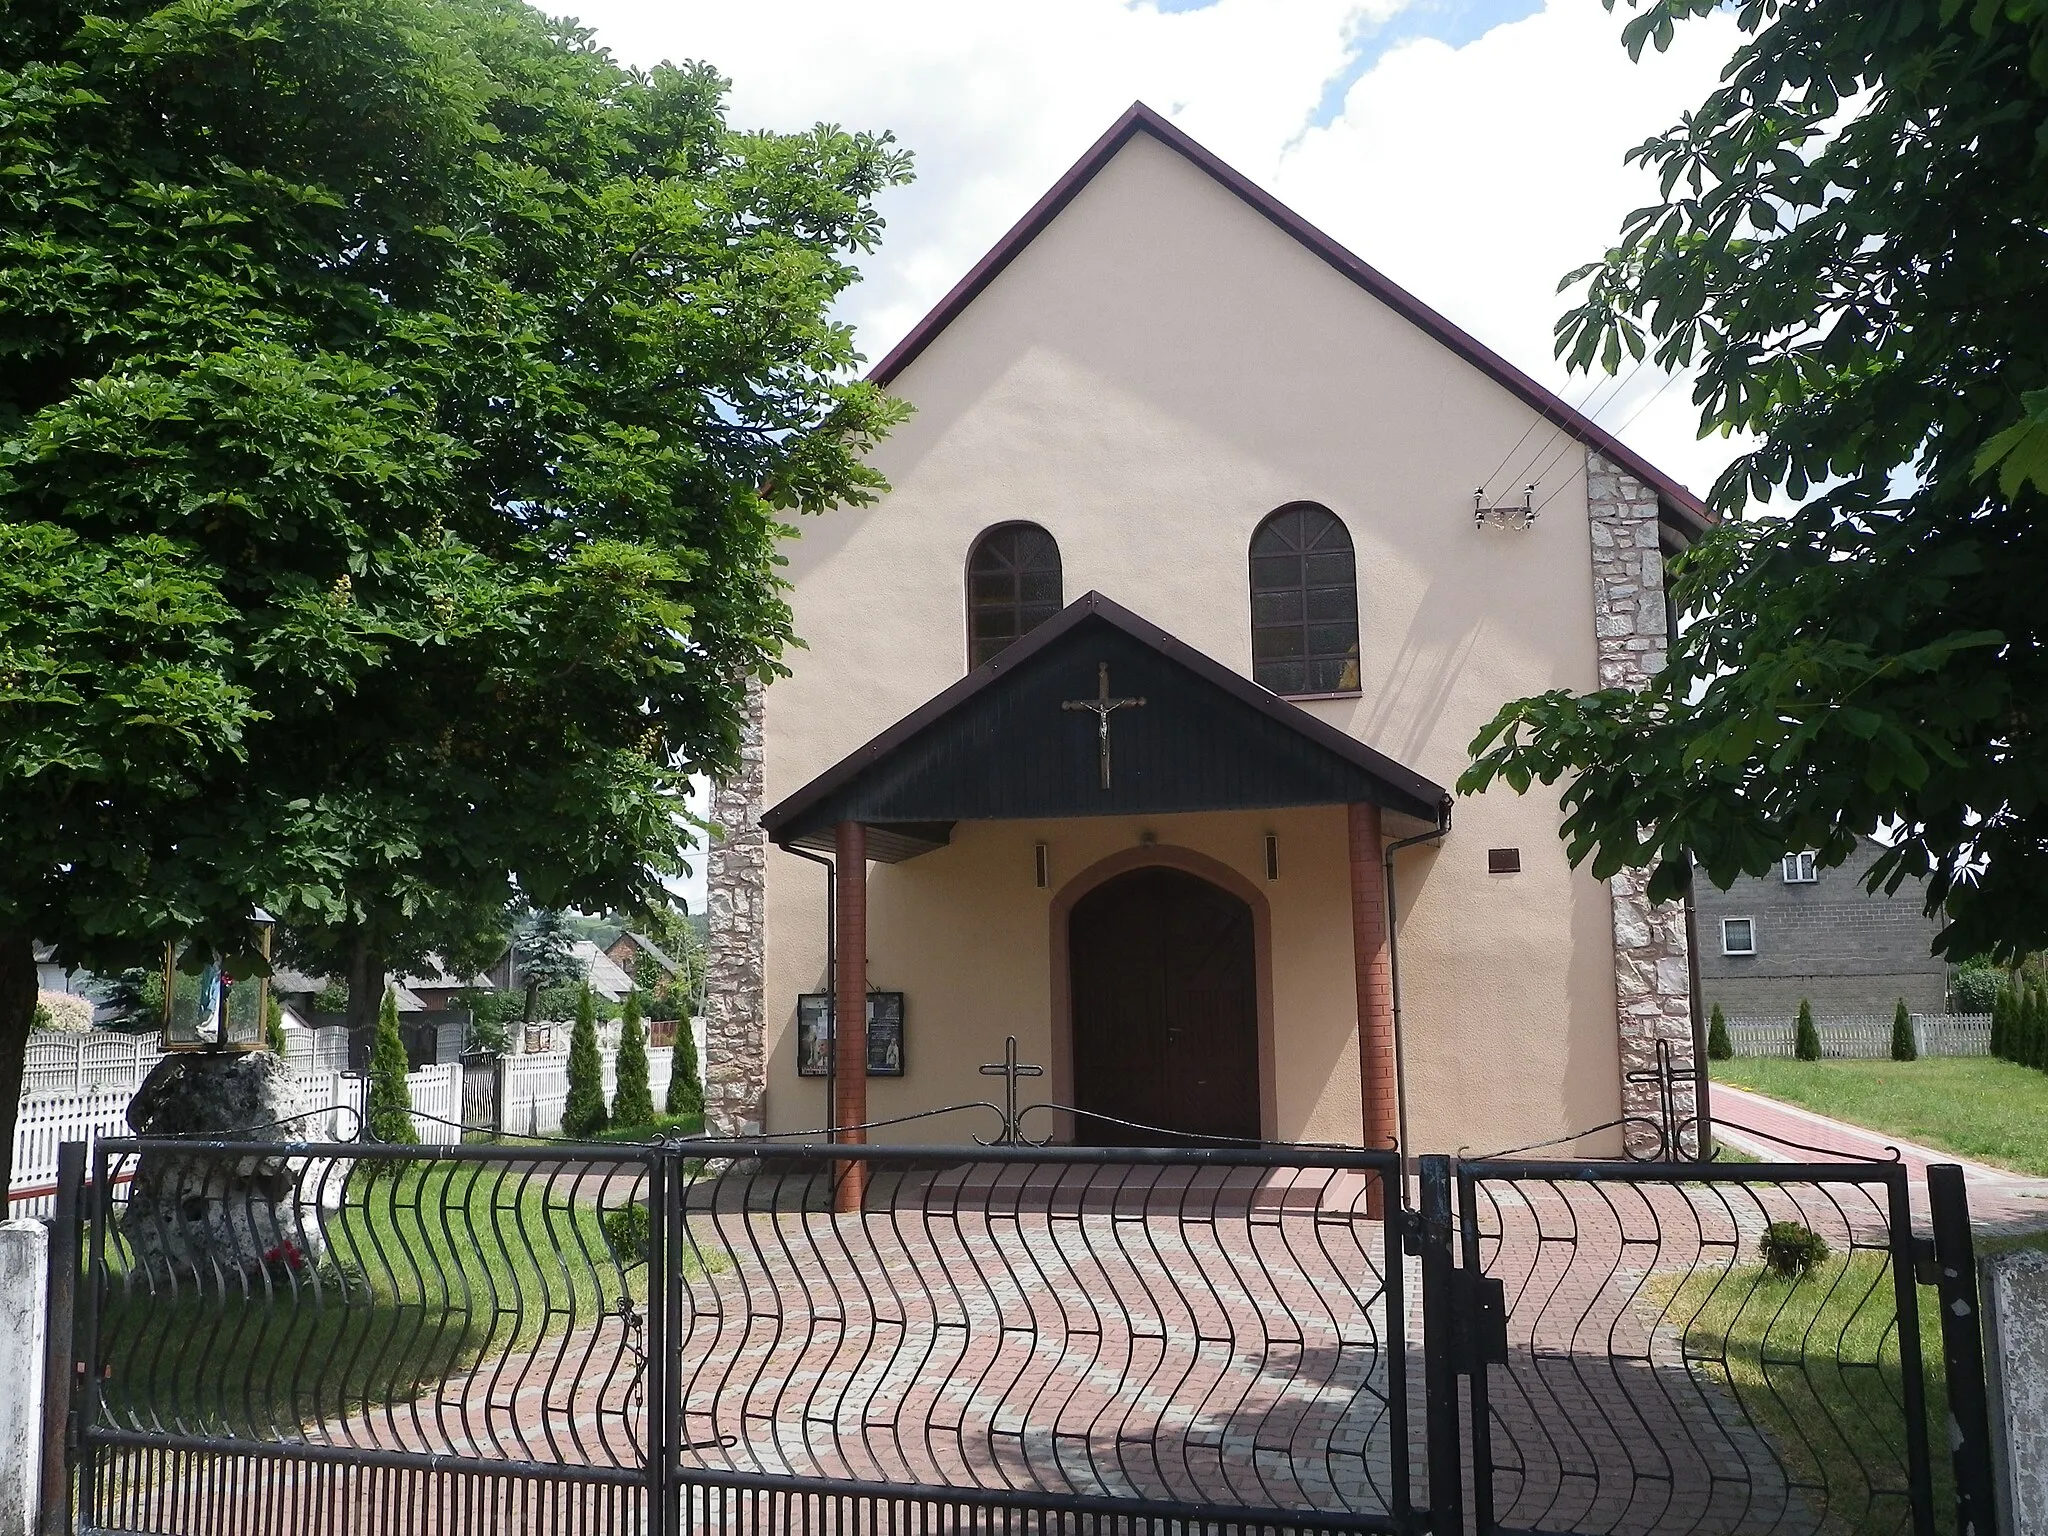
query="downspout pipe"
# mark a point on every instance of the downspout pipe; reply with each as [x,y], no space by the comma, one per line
[1435,834]
[832,974]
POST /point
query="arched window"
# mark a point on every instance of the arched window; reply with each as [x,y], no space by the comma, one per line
[1304,603]
[1013,586]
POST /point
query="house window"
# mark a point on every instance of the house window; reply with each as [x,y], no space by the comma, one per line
[1738,936]
[1304,603]
[1013,586]
[1799,869]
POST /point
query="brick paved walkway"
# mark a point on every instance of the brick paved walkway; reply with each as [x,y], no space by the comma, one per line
[2001,1201]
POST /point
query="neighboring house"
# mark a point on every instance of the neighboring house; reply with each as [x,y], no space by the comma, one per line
[608,979]
[1168,639]
[438,988]
[627,949]
[1818,934]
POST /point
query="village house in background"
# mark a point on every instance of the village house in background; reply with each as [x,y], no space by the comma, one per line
[1163,650]
[1802,932]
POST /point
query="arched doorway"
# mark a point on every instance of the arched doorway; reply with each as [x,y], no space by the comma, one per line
[1164,978]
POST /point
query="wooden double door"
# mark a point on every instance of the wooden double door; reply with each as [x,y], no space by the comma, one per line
[1164,972]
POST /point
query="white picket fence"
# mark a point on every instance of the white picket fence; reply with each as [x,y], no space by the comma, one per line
[78,1088]
[330,1101]
[1866,1037]
[89,1062]
[536,1086]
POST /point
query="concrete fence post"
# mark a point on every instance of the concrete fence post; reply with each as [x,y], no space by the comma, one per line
[2015,1293]
[24,1275]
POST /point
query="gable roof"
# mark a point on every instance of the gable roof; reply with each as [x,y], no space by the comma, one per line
[1679,506]
[988,747]
[649,948]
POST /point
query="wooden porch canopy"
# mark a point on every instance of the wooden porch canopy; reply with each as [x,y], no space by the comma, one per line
[1007,743]
[1097,713]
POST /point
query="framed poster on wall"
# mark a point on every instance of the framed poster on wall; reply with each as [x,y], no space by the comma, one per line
[814,1034]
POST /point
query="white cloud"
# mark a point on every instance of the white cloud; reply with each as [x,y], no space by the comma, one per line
[1475,176]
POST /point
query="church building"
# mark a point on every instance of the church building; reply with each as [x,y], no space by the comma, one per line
[1128,720]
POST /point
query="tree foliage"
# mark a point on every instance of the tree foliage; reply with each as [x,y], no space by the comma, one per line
[583,1111]
[400,405]
[1719,1047]
[686,1080]
[1805,1036]
[390,1106]
[1852,248]
[632,1099]
[1904,1047]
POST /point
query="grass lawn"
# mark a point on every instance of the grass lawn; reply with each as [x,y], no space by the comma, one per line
[1814,1364]
[427,1270]
[1974,1106]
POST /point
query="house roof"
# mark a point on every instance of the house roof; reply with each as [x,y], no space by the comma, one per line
[992,746]
[1678,505]
[652,950]
[606,978]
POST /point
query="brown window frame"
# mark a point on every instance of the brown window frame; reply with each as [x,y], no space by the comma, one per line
[1318,653]
[1025,613]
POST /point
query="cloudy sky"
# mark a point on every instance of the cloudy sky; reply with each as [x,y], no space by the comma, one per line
[1470,149]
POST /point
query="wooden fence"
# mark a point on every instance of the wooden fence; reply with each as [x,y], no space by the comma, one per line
[1866,1037]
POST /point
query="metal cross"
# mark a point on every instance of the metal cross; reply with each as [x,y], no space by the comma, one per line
[1102,706]
[1009,1070]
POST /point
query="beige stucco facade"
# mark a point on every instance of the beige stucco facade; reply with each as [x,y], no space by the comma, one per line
[1155,372]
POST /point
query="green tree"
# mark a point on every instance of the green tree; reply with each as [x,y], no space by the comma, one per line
[402,407]
[1805,1037]
[583,1112]
[685,1083]
[2025,1018]
[546,956]
[2037,1026]
[390,1108]
[2001,1023]
[1848,247]
[633,1099]
[273,1027]
[1904,1047]
[1719,1048]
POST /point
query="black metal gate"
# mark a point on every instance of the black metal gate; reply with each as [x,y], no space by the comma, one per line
[688,1337]
[360,1339]
[1686,1347]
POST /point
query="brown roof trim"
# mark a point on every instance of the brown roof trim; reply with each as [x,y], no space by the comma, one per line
[1687,510]
[1095,605]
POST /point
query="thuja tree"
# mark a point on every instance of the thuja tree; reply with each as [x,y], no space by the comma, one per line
[583,1111]
[1851,247]
[633,1099]
[390,1106]
[1805,1037]
[400,404]
[685,1081]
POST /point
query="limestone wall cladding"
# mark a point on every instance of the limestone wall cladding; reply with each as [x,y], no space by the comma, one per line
[1652,980]
[2015,1292]
[735,1071]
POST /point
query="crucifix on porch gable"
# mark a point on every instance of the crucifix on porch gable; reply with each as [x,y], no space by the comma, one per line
[1102,706]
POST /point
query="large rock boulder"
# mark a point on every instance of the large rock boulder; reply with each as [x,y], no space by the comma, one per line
[212,1215]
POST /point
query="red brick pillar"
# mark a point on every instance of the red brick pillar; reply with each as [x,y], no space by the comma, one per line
[850,1010]
[1373,966]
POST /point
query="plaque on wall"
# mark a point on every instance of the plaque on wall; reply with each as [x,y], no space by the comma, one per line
[814,1034]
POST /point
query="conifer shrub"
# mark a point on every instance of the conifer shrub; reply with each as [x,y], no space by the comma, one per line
[1806,1038]
[2001,1023]
[1719,1047]
[685,1088]
[1903,1046]
[390,1096]
[273,1028]
[633,1103]
[1791,1250]
[583,1111]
